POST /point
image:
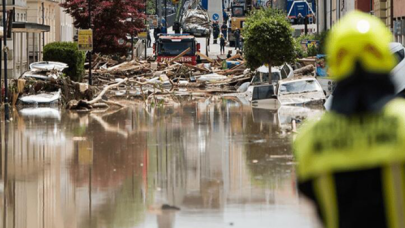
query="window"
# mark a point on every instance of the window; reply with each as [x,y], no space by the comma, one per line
[263,92]
[299,87]
[237,11]
[285,71]
[275,77]
[169,48]
[399,55]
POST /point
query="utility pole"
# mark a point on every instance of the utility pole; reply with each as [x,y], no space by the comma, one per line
[5,58]
[156,7]
[132,39]
[166,15]
[159,10]
[147,30]
[43,33]
[1,55]
[90,52]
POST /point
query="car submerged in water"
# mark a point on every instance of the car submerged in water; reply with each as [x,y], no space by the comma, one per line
[280,88]
[303,91]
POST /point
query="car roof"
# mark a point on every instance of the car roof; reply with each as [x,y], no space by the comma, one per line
[302,78]
[176,37]
[264,69]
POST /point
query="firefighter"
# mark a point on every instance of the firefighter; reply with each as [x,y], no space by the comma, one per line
[177,27]
[156,33]
[222,43]
[300,19]
[224,30]
[351,162]
[237,39]
[148,37]
[215,29]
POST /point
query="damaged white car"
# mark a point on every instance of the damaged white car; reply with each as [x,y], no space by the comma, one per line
[290,91]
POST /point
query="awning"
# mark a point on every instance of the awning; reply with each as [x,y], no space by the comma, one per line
[30,27]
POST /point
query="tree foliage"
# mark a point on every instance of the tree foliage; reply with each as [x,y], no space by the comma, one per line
[151,7]
[112,20]
[268,39]
[66,52]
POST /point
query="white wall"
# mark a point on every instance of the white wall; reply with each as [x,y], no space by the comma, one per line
[66,26]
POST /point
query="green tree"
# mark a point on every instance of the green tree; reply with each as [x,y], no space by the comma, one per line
[268,39]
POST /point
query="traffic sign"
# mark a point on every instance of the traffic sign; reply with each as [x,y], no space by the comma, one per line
[85,40]
[142,35]
[215,17]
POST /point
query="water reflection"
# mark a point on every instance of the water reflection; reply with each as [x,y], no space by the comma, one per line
[220,162]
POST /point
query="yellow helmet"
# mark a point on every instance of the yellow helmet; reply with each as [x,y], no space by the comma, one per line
[359,37]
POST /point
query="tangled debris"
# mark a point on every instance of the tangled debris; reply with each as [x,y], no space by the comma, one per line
[148,81]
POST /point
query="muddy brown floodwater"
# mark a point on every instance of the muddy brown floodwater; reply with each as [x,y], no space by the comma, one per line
[196,165]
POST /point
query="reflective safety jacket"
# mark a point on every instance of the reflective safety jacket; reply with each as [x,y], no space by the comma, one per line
[354,167]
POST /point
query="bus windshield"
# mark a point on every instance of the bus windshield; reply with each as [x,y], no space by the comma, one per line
[238,11]
[169,48]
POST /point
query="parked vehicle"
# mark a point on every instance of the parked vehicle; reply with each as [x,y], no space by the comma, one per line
[168,47]
[298,10]
[238,18]
[306,8]
[398,73]
[277,73]
[196,22]
[290,91]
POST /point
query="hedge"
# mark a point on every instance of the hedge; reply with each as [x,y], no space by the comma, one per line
[67,52]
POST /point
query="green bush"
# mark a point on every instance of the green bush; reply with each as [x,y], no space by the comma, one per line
[66,52]
[322,41]
[312,50]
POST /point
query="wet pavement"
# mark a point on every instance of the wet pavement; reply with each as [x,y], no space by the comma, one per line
[206,164]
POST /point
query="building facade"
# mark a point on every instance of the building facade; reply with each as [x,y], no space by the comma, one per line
[35,24]
[399,20]
[391,12]
[330,11]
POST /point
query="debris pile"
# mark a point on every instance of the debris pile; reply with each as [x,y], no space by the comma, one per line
[172,73]
[46,84]
[306,67]
[197,22]
[145,80]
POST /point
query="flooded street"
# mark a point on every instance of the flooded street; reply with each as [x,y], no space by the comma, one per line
[207,164]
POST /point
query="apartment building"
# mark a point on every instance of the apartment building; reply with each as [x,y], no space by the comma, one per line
[35,24]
